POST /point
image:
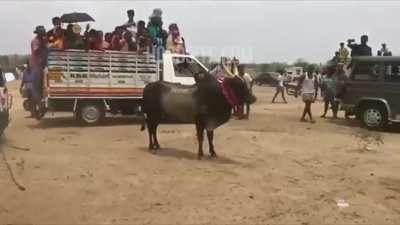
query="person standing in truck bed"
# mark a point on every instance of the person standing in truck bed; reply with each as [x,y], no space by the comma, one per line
[343,53]
[56,35]
[360,49]
[130,25]
[175,42]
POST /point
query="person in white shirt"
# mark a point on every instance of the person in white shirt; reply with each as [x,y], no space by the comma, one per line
[309,86]
[280,88]
[249,84]
[130,25]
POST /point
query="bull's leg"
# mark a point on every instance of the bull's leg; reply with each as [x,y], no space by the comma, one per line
[150,130]
[200,137]
[157,145]
[210,136]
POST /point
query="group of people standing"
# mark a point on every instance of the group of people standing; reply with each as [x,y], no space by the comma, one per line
[233,69]
[327,82]
[331,76]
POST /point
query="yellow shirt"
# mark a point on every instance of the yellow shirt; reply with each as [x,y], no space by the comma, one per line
[343,54]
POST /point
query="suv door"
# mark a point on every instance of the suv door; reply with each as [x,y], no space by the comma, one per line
[391,88]
[365,82]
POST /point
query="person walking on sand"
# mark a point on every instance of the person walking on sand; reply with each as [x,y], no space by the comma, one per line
[328,85]
[309,86]
[280,88]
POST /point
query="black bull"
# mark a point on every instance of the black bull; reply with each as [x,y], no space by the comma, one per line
[203,104]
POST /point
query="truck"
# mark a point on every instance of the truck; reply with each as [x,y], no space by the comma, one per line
[372,90]
[91,83]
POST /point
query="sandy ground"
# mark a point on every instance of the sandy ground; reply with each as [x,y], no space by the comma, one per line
[271,169]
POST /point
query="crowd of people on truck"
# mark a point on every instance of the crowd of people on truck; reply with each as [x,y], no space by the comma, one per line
[343,54]
[130,36]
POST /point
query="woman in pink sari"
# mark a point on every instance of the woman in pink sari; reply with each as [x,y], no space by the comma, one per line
[175,42]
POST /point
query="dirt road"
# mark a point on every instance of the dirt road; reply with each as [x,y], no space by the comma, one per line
[271,169]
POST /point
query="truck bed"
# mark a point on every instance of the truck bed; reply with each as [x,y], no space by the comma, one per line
[99,74]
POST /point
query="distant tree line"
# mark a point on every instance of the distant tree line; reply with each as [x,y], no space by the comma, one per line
[8,63]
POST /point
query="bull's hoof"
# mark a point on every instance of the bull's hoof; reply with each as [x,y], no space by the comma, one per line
[158,147]
[214,155]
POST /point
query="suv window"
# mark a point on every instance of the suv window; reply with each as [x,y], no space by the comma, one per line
[186,67]
[392,72]
[366,71]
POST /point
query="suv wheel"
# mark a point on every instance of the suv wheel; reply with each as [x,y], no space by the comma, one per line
[91,114]
[374,116]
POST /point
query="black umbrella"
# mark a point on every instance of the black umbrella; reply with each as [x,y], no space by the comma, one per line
[76,17]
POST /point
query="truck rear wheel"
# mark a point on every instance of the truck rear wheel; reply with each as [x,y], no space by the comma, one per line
[374,116]
[91,114]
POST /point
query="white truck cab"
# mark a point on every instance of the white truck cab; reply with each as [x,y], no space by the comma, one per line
[181,69]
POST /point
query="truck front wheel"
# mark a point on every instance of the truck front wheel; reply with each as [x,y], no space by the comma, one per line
[91,114]
[374,116]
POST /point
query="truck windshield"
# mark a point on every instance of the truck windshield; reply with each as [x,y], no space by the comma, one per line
[187,67]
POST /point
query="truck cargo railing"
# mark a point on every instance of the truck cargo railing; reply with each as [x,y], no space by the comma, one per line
[99,73]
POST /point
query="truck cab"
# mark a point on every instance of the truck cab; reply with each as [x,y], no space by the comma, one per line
[372,91]
[181,69]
